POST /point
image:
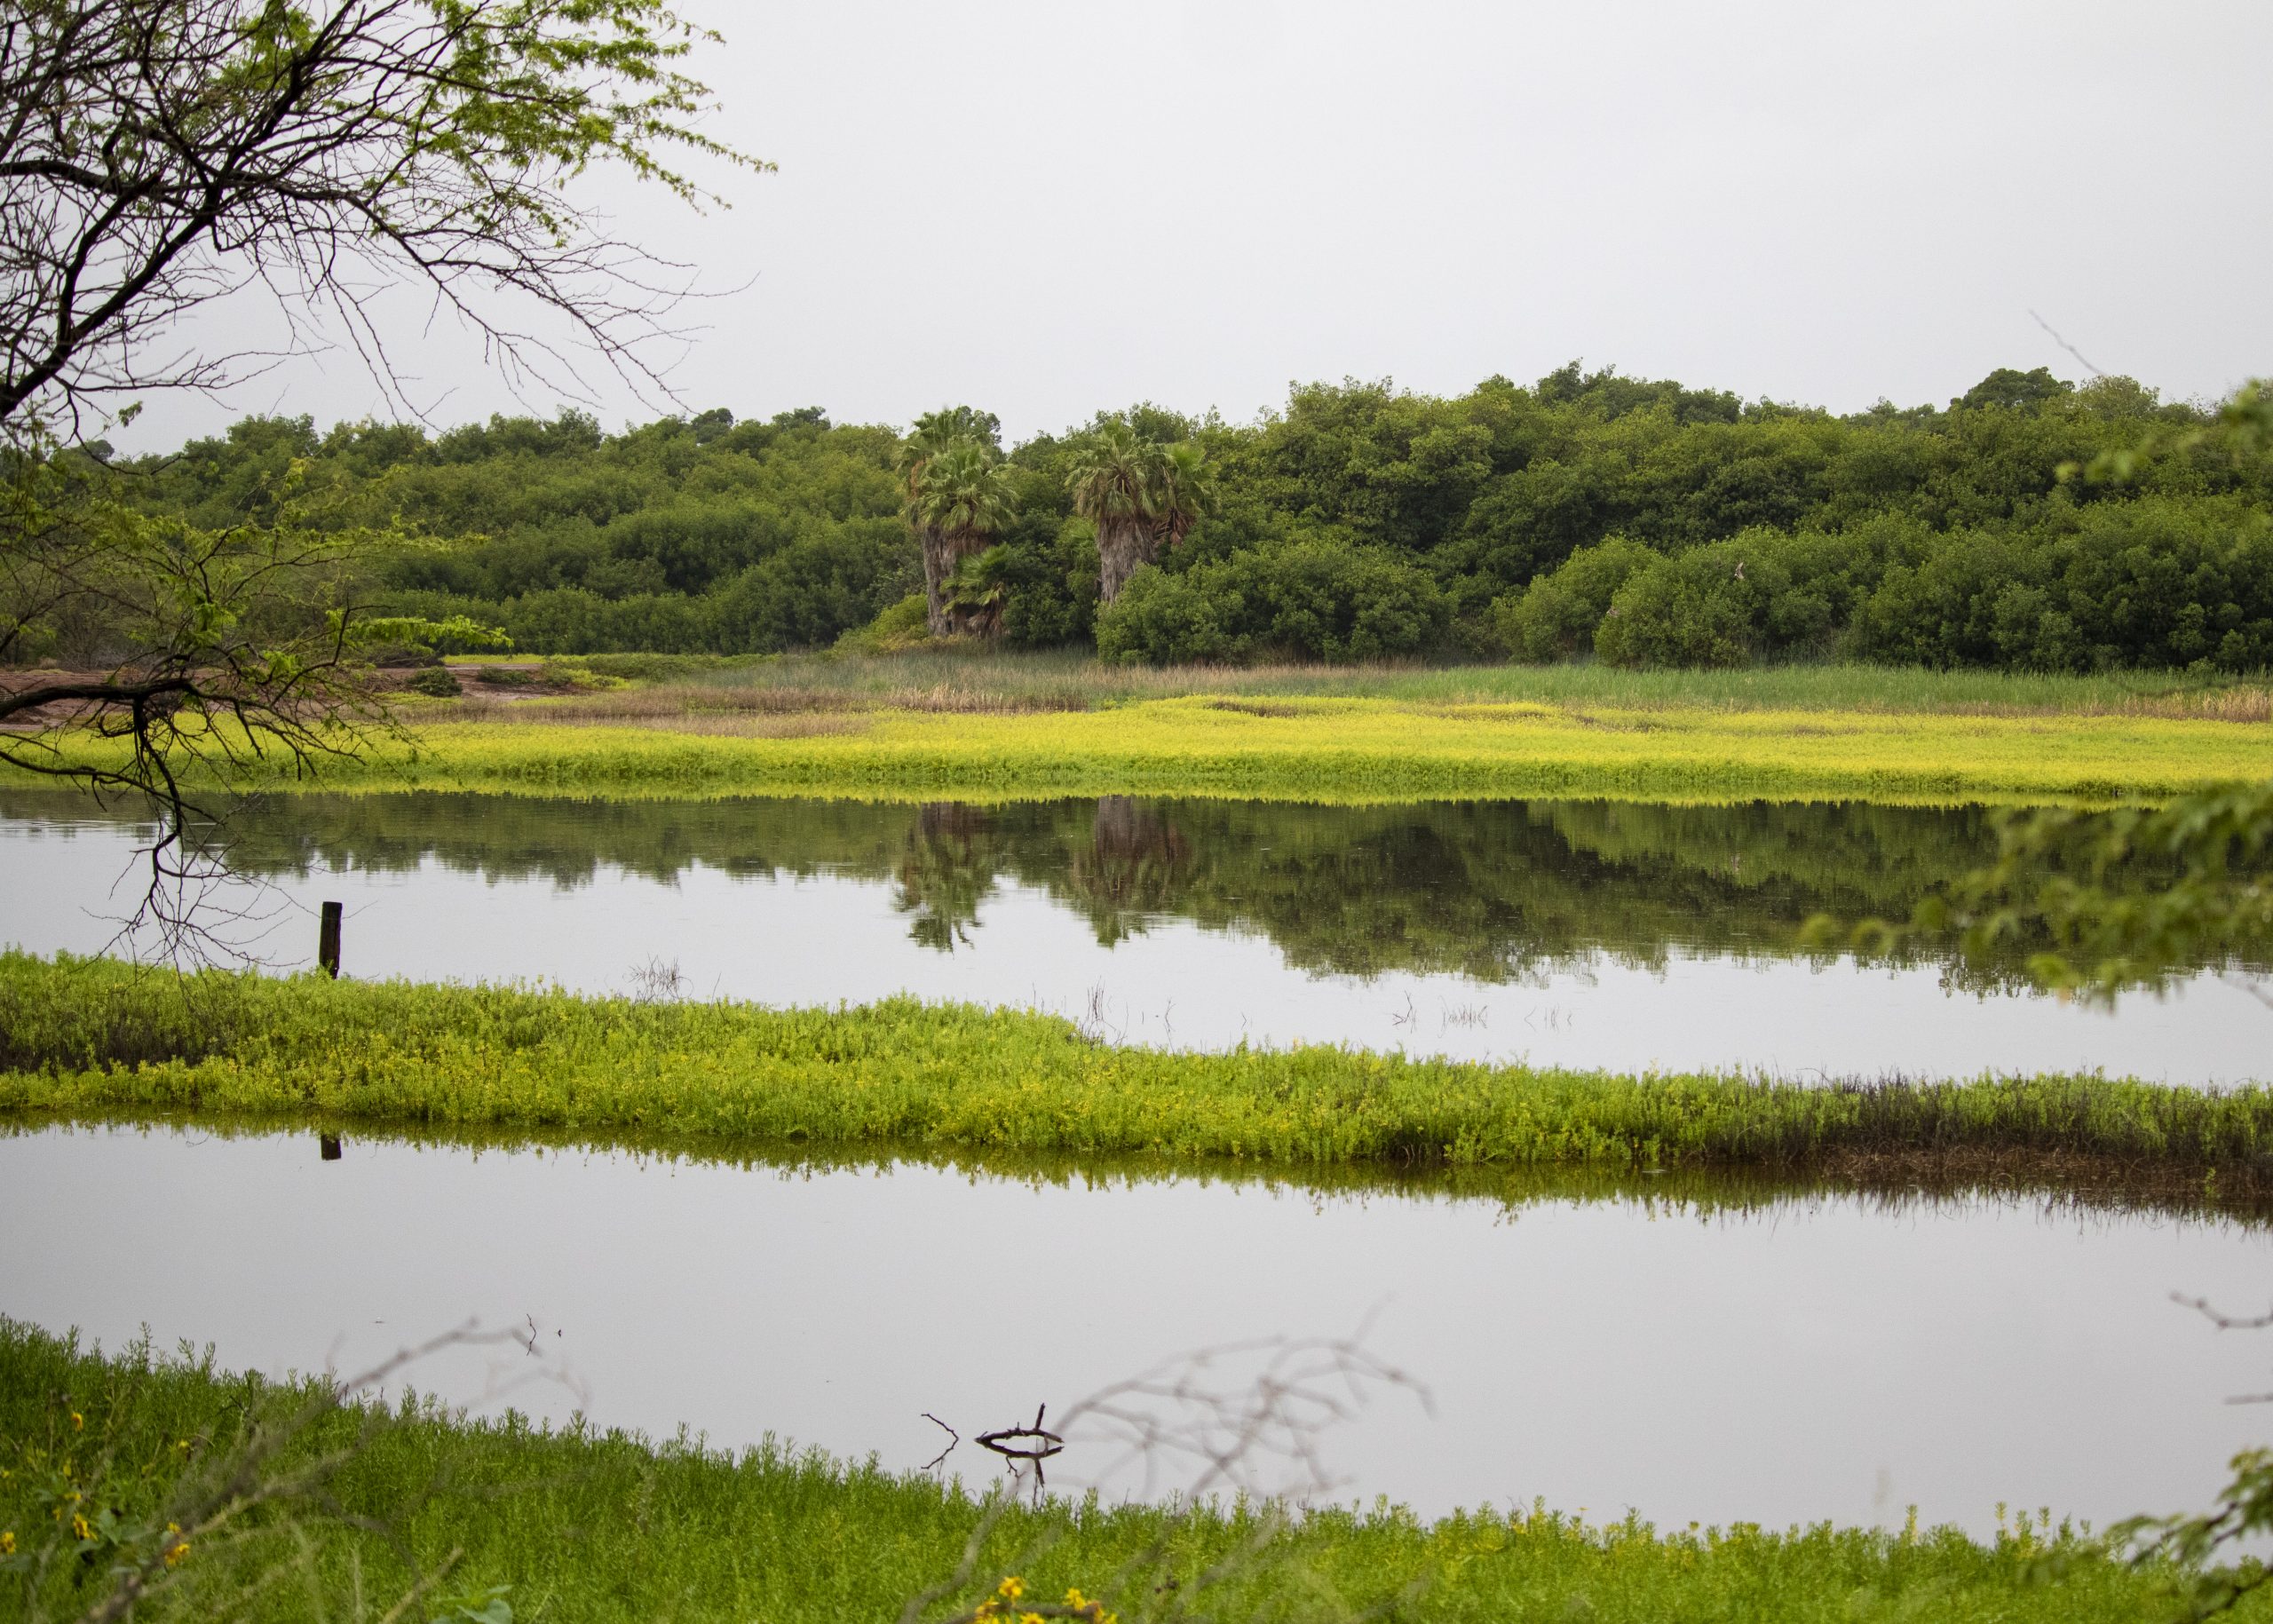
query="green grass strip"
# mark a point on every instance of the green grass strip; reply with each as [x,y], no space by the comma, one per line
[586,1525]
[93,1035]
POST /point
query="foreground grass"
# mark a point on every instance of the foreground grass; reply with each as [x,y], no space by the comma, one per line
[92,1035]
[1309,750]
[589,1527]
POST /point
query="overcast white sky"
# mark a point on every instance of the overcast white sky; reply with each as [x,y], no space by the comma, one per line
[1047,207]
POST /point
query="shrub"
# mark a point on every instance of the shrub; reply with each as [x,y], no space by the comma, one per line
[1053,583]
[1556,615]
[437,682]
[646,667]
[901,625]
[1319,598]
[1760,595]
[835,576]
[1967,602]
[404,657]
[2156,583]
[1702,608]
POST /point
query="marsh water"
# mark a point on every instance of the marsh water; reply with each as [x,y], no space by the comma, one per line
[1593,934]
[1705,1354]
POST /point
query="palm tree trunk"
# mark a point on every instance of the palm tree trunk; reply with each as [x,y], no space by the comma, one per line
[959,619]
[938,564]
[1124,546]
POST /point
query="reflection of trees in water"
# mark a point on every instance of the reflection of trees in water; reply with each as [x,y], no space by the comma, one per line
[946,871]
[1491,891]
[1137,861]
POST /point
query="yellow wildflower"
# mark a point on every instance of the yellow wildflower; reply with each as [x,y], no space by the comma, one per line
[81,1530]
[78,1421]
[7,1541]
[1029,1618]
[1012,1587]
[178,1552]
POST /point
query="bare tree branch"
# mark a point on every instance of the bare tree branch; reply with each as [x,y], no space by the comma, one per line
[159,155]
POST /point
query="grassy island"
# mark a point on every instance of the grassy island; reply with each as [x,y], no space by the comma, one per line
[93,1036]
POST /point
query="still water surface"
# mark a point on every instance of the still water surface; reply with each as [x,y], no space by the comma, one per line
[1582,933]
[1834,1357]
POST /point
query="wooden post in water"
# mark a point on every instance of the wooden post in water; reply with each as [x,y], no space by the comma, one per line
[327,943]
[327,1146]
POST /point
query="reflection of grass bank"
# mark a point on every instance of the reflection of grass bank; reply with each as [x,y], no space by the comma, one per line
[92,1035]
[2088,1190]
[1308,749]
[584,1526]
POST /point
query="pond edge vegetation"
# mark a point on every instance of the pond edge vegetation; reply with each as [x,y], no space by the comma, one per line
[84,1037]
[536,1517]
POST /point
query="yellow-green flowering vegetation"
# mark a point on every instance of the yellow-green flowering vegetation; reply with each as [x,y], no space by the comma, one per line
[1315,749]
[506,1519]
[93,1036]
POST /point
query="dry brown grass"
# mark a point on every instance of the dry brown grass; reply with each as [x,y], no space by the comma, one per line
[795,724]
[1254,708]
[976,681]
[2241,704]
[666,702]
[790,699]
[2231,705]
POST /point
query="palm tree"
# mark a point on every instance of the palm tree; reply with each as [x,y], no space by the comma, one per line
[978,590]
[1116,485]
[966,499]
[935,432]
[1187,492]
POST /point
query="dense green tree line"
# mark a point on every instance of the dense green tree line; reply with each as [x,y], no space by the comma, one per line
[1644,522]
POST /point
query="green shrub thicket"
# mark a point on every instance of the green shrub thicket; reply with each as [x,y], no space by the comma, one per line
[1316,599]
[2155,582]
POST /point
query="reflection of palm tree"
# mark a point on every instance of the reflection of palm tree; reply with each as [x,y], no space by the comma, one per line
[1136,863]
[945,872]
